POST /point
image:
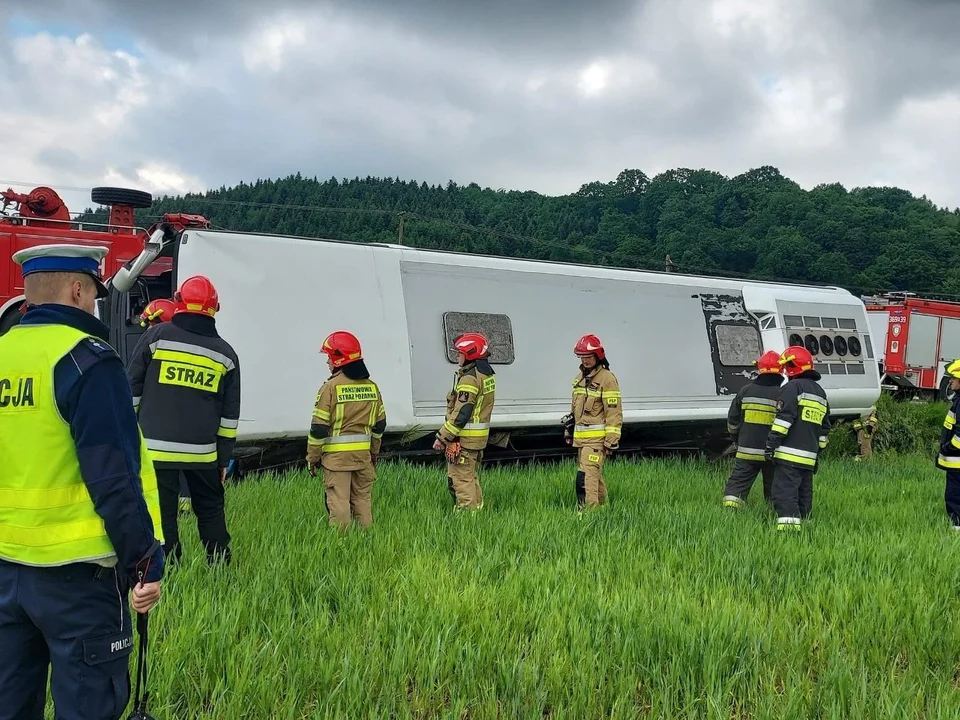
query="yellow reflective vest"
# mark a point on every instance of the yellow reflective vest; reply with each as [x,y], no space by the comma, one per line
[46,514]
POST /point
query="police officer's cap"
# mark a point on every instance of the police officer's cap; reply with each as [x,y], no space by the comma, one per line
[64,258]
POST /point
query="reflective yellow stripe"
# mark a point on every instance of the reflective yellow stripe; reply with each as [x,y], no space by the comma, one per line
[612,394]
[783,455]
[955,441]
[227,432]
[190,359]
[750,456]
[321,415]
[475,433]
[611,430]
[346,447]
[165,456]
[759,417]
[467,388]
[311,440]
[587,434]
[952,463]
[779,429]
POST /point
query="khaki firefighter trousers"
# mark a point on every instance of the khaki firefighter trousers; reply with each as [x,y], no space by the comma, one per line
[349,495]
[591,490]
[462,480]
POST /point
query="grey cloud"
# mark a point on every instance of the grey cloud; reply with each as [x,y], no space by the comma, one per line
[430,90]
[58,158]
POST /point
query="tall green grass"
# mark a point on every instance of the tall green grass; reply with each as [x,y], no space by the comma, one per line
[662,605]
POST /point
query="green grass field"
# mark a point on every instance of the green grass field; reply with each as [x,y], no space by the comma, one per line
[662,605]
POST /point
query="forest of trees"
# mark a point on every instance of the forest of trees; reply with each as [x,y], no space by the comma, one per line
[758,224]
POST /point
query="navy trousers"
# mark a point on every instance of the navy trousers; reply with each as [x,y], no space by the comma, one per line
[951,496]
[76,619]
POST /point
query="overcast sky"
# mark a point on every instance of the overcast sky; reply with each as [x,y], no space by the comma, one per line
[181,95]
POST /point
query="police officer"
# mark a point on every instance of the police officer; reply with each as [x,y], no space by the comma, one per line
[154,313]
[864,426]
[186,385]
[346,432]
[751,414]
[79,512]
[594,425]
[949,456]
[464,435]
[798,434]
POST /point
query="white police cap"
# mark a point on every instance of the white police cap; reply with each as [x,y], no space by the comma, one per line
[64,258]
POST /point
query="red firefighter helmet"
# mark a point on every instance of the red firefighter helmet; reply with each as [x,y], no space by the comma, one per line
[342,348]
[769,363]
[197,295]
[157,311]
[795,360]
[473,345]
[589,345]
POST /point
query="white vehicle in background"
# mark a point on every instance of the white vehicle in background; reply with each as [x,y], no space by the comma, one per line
[680,345]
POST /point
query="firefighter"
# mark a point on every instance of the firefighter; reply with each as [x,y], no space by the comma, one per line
[154,313]
[594,425]
[865,426]
[751,414]
[186,385]
[949,456]
[464,435]
[346,432]
[798,434]
[79,519]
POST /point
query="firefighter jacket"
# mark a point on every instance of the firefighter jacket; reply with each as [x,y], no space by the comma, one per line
[185,380]
[867,423]
[597,409]
[949,456]
[802,424]
[348,421]
[751,414]
[470,406]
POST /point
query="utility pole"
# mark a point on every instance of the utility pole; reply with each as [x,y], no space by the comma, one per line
[400,232]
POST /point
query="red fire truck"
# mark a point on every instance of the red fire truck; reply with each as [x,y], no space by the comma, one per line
[921,337]
[40,217]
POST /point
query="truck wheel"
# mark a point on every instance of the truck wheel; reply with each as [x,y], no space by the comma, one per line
[121,196]
[11,318]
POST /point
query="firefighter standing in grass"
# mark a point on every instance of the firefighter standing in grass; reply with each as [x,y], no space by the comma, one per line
[594,425]
[346,432]
[154,313]
[751,414]
[798,434]
[186,386]
[865,426]
[949,456]
[79,517]
[464,435]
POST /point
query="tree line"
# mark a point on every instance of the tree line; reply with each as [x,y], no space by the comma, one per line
[758,225]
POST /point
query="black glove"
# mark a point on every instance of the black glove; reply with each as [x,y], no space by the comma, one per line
[768,454]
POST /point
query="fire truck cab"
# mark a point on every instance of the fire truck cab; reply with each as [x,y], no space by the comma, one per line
[40,217]
[921,337]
